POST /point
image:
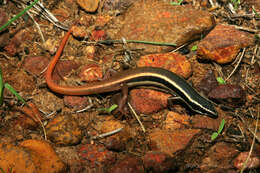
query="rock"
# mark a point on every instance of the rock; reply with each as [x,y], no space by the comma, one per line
[176,121]
[208,83]
[44,156]
[171,141]
[148,101]
[76,102]
[158,162]
[63,68]
[64,130]
[90,73]
[14,46]
[35,64]
[51,45]
[234,95]
[253,161]
[96,155]
[218,157]
[30,156]
[174,62]
[88,5]
[204,122]
[223,43]
[97,35]
[161,22]
[117,5]
[127,165]
[117,141]
[21,81]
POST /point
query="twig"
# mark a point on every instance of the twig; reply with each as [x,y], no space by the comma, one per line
[136,116]
[107,134]
[253,57]
[252,145]
[36,24]
[135,41]
[240,59]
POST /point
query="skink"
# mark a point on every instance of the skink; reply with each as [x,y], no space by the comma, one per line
[142,76]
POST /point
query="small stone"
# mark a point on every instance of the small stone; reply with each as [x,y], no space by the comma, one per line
[35,64]
[14,46]
[158,162]
[204,122]
[51,45]
[128,165]
[90,52]
[80,31]
[90,73]
[97,35]
[223,43]
[218,156]
[208,83]
[171,141]
[176,121]
[64,130]
[63,68]
[148,101]
[253,161]
[77,102]
[117,141]
[88,5]
[96,155]
[234,95]
[117,5]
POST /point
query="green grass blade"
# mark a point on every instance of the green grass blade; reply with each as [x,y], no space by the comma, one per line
[18,15]
[113,107]
[10,88]
[221,126]
[1,88]
[214,136]
[221,80]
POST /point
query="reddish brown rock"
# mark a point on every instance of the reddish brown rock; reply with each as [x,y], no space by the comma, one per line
[63,68]
[97,35]
[176,121]
[64,130]
[88,5]
[208,83]
[158,162]
[77,102]
[204,122]
[171,141]
[96,155]
[253,161]
[219,158]
[223,43]
[174,62]
[14,45]
[128,165]
[35,64]
[21,81]
[234,95]
[37,156]
[91,72]
[161,22]
[148,101]
[118,5]
[117,141]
